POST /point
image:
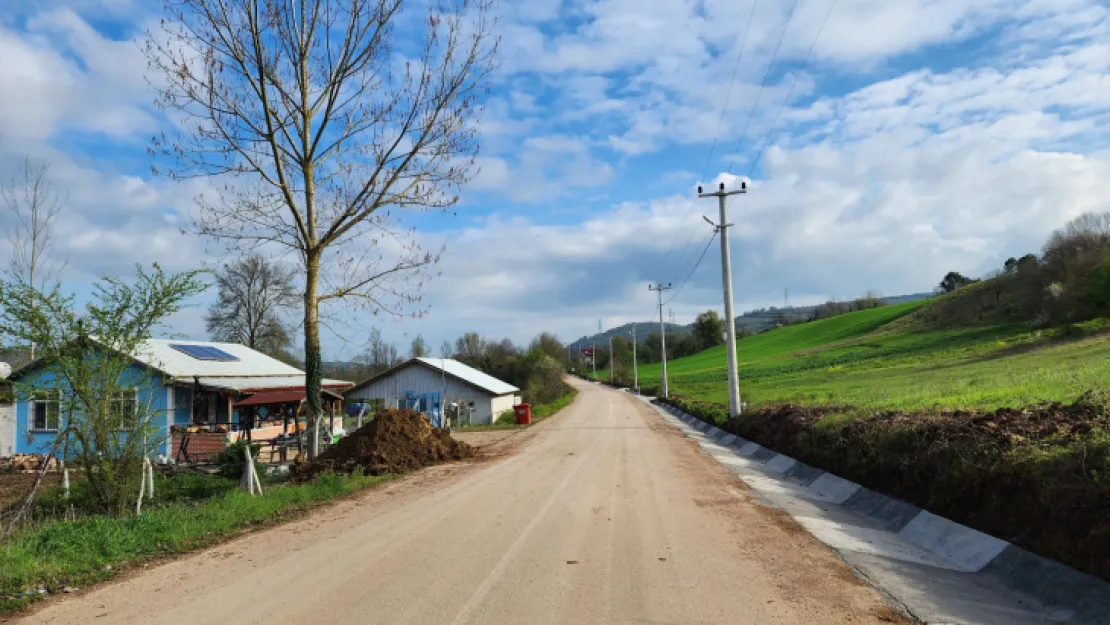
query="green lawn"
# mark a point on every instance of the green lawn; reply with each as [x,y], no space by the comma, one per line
[56,554]
[854,360]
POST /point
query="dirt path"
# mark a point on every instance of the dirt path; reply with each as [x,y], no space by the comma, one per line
[600,515]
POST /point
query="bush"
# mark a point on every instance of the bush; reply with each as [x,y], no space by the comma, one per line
[230,460]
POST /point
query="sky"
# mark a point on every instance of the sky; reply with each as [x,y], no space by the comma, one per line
[886,143]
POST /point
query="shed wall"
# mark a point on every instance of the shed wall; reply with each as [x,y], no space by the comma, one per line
[420,379]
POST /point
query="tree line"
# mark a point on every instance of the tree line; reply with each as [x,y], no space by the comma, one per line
[1069,282]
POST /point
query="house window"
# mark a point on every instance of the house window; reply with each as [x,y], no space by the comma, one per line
[44,411]
[125,404]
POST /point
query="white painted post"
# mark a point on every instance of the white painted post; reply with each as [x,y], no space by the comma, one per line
[148,469]
[171,414]
[248,469]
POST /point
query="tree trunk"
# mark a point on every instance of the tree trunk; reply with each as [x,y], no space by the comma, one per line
[312,360]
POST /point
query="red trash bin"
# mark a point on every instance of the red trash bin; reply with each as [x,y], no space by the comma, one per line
[523,414]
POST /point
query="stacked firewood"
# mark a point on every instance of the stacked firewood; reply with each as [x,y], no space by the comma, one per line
[24,462]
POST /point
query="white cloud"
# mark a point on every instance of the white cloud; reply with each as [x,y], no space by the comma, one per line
[546,167]
[911,174]
[60,73]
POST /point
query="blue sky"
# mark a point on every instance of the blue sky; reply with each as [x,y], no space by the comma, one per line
[921,136]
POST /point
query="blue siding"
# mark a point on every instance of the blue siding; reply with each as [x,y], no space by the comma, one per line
[151,394]
[183,408]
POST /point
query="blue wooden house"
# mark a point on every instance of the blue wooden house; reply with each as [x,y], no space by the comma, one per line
[194,385]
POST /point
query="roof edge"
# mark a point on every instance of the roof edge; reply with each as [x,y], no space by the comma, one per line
[445,372]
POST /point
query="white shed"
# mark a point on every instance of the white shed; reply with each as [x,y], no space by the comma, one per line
[457,383]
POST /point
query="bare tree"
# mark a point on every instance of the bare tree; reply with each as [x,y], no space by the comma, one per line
[379,354]
[329,121]
[254,292]
[418,347]
[35,203]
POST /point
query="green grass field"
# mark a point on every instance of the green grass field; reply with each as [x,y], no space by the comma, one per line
[863,360]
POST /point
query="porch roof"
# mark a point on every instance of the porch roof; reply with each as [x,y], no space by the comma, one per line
[258,384]
[280,397]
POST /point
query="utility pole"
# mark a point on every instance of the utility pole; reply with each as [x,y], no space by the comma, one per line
[659,288]
[635,368]
[612,361]
[593,349]
[726,281]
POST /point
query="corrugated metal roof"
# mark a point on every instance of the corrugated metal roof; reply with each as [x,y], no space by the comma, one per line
[470,375]
[158,354]
[265,382]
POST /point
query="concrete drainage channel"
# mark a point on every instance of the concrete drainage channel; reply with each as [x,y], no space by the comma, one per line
[937,570]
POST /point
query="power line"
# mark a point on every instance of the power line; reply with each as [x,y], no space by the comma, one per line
[763,83]
[724,110]
[695,268]
[728,94]
[790,92]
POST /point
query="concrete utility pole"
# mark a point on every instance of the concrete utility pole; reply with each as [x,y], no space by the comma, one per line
[612,361]
[726,280]
[635,369]
[659,288]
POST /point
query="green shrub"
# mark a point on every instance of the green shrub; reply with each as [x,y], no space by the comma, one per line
[230,460]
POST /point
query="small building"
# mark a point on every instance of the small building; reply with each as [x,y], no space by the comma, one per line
[195,387]
[432,384]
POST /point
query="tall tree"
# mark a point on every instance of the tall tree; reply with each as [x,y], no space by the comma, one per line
[307,102]
[708,328]
[469,348]
[550,345]
[379,355]
[253,294]
[954,280]
[418,348]
[34,202]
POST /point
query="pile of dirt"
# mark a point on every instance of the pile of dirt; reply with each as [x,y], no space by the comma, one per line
[1037,476]
[395,441]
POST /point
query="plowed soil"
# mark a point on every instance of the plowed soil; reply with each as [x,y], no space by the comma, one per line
[396,441]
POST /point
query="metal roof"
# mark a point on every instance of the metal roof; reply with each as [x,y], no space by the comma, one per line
[252,370]
[470,375]
[158,354]
[455,369]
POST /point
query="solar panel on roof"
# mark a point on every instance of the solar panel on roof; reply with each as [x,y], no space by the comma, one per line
[204,352]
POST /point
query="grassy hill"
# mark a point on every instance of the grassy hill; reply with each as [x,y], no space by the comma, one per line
[878,359]
[952,418]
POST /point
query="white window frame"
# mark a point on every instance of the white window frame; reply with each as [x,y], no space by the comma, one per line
[127,395]
[45,397]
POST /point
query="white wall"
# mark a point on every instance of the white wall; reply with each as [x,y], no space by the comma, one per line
[7,430]
[420,379]
[503,403]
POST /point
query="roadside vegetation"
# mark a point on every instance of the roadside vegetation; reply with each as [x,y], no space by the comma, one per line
[988,404]
[191,512]
[540,412]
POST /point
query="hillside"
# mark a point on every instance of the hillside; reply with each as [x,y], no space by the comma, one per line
[643,328]
[753,321]
[878,359]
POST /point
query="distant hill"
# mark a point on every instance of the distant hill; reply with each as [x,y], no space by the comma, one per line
[643,328]
[755,321]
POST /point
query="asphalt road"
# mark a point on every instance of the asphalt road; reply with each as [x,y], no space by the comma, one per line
[601,514]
